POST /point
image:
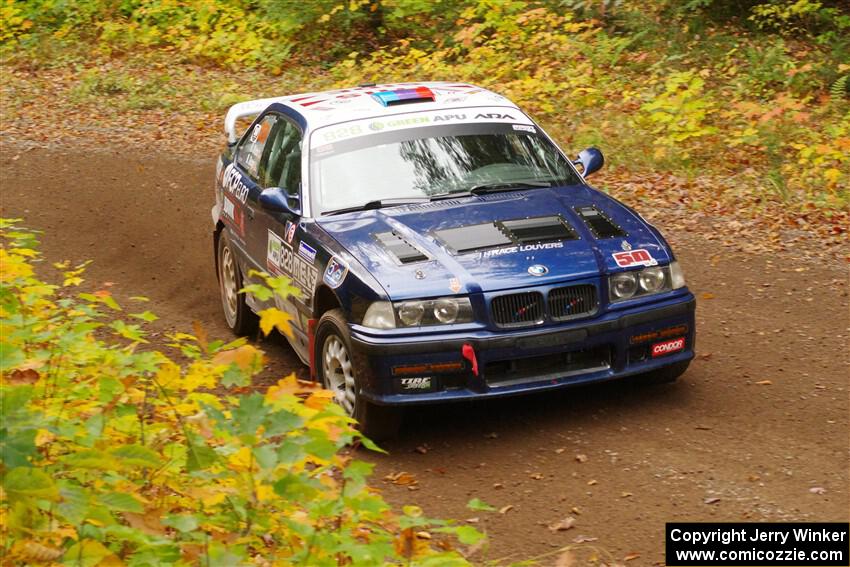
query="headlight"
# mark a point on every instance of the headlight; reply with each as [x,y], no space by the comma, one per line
[623,286]
[411,312]
[652,280]
[442,311]
[446,310]
[646,281]
[677,276]
[380,315]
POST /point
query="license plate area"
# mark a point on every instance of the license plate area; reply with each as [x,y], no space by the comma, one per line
[547,367]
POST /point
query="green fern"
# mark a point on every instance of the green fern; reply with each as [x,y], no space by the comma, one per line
[840,88]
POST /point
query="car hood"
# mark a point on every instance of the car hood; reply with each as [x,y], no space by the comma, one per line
[483,243]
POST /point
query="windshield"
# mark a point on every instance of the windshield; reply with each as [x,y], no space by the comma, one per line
[434,161]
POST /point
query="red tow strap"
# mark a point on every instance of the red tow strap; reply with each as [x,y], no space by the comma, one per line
[469,354]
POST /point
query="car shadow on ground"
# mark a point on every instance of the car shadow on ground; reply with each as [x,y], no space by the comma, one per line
[578,406]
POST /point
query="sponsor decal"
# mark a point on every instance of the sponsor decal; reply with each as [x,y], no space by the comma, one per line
[281,259]
[337,132]
[335,272]
[454,285]
[290,231]
[261,132]
[625,245]
[233,184]
[449,117]
[678,330]
[667,347]
[538,270]
[494,116]
[418,383]
[306,251]
[524,128]
[639,257]
[233,213]
[521,248]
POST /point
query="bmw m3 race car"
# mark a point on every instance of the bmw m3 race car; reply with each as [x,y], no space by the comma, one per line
[445,249]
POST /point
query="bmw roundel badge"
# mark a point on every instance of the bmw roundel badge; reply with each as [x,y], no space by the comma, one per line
[538,270]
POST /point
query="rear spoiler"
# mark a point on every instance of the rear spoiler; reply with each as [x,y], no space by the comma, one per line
[242,110]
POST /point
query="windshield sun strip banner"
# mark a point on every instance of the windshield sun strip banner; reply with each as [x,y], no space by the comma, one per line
[475,115]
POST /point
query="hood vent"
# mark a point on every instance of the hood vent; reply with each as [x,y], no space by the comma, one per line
[473,237]
[537,230]
[599,224]
[506,233]
[404,252]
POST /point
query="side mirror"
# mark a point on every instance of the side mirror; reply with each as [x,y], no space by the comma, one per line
[591,160]
[277,200]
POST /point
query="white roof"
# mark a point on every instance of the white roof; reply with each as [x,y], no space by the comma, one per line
[332,107]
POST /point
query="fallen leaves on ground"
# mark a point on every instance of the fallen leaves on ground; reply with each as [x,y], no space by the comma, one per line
[402,479]
[563,525]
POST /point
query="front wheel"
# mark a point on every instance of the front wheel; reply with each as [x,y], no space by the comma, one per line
[338,371]
[237,313]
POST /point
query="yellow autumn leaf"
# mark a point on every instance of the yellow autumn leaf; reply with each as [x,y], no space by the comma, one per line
[28,252]
[169,375]
[265,493]
[275,318]
[43,437]
[213,499]
[198,377]
[247,357]
[832,175]
[241,460]
[319,399]
[292,386]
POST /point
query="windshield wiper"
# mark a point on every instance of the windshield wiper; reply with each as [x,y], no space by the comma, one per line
[493,187]
[378,204]
[496,186]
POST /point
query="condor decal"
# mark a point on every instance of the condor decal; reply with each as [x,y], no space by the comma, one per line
[281,259]
[667,347]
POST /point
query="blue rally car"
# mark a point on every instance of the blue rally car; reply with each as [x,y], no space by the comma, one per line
[445,249]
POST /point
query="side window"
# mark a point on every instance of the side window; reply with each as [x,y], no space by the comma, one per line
[250,152]
[284,160]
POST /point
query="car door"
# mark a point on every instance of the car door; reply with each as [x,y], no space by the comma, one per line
[287,251]
[242,188]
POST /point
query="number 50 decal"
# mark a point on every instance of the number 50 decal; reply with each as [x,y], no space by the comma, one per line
[638,257]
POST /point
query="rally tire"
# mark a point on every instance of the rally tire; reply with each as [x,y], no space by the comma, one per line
[338,369]
[666,375]
[238,315]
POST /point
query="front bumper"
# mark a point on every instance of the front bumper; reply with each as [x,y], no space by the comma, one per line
[615,345]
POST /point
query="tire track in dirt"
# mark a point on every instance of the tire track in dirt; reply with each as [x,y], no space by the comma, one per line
[717,446]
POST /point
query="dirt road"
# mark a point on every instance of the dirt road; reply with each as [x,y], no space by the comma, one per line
[757,429]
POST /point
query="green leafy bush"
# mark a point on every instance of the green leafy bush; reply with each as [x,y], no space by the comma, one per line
[116,454]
